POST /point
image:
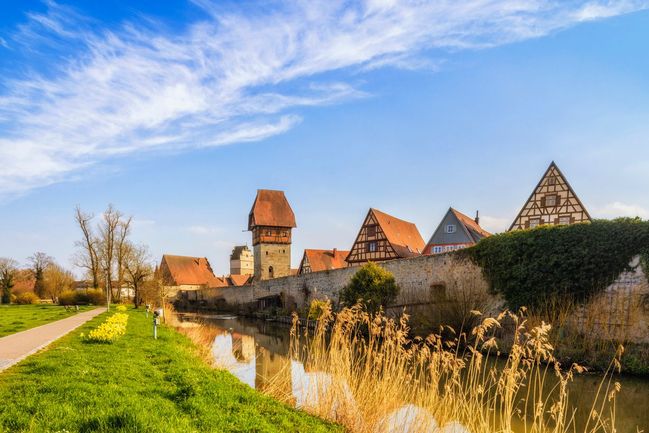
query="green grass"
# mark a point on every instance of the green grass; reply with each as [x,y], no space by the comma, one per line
[16,318]
[136,384]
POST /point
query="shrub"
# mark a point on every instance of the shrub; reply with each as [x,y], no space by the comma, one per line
[68,297]
[12,299]
[372,285]
[109,331]
[96,297]
[27,298]
[530,267]
[318,308]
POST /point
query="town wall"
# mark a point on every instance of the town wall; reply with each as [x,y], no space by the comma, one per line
[442,288]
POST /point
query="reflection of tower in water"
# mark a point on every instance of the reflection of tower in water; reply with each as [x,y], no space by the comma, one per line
[243,347]
[273,370]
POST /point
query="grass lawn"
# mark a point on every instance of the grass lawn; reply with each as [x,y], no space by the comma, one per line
[136,384]
[16,318]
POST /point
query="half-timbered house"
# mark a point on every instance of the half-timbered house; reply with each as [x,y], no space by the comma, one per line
[384,237]
[553,201]
[322,260]
[455,231]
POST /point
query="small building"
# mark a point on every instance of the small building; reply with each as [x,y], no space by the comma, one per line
[322,260]
[553,201]
[184,273]
[455,231]
[271,221]
[242,261]
[384,237]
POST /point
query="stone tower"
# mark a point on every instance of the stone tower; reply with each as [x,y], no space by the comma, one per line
[241,261]
[271,220]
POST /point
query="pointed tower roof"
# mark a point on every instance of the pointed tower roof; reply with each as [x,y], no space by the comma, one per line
[271,209]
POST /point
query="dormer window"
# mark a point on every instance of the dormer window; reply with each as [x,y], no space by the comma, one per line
[451,228]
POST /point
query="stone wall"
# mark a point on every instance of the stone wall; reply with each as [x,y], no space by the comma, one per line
[443,289]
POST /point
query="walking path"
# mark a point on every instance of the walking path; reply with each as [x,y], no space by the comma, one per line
[16,347]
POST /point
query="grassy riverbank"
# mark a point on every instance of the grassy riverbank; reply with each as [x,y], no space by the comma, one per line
[16,318]
[136,384]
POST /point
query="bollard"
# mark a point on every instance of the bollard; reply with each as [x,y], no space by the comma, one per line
[155,325]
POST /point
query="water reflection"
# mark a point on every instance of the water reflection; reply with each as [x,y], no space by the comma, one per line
[257,351]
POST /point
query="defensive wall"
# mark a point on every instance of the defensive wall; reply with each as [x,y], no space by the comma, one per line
[437,288]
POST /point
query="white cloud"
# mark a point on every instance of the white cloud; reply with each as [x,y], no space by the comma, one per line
[495,224]
[238,74]
[618,209]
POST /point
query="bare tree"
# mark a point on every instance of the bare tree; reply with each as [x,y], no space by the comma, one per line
[39,262]
[122,250]
[57,280]
[88,257]
[8,270]
[138,270]
[108,230]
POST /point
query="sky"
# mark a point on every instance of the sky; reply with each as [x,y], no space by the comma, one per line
[178,111]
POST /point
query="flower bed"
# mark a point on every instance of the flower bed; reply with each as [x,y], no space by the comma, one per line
[109,331]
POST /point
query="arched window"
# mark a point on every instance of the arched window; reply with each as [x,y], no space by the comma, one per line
[270,271]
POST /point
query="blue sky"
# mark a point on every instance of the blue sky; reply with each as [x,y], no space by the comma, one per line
[177,111]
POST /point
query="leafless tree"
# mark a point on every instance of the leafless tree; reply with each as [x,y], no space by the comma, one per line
[88,256]
[138,270]
[108,231]
[122,250]
[39,262]
[8,270]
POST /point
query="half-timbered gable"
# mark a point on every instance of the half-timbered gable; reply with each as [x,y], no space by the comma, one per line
[455,231]
[553,201]
[384,237]
[322,260]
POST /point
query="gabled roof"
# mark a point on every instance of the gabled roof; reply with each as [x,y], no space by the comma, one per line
[271,208]
[323,260]
[402,235]
[472,228]
[239,280]
[185,270]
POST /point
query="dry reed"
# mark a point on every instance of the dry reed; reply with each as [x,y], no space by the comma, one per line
[368,368]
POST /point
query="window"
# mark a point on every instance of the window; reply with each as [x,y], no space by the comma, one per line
[371,247]
[450,228]
[564,220]
[268,233]
[270,272]
[534,222]
[552,180]
[371,231]
[437,249]
[550,200]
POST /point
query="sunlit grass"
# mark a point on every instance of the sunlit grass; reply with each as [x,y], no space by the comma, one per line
[16,318]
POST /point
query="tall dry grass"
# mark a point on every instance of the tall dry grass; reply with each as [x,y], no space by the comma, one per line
[368,368]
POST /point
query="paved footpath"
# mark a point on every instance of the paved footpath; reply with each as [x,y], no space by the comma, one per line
[16,347]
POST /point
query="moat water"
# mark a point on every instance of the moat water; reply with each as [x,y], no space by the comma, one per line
[255,351]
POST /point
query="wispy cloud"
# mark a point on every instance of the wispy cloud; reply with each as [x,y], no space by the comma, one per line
[235,75]
[619,209]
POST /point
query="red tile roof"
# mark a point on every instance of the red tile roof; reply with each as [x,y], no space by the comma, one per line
[475,231]
[184,270]
[322,260]
[402,235]
[271,208]
[239,280]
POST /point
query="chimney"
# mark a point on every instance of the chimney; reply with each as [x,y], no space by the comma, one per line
[477,217]
[335,250]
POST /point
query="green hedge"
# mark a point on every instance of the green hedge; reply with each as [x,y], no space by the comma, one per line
[528,267]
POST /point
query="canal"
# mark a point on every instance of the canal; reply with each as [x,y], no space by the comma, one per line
[255,351]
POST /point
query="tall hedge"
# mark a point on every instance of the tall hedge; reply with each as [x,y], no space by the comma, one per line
[528,267]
